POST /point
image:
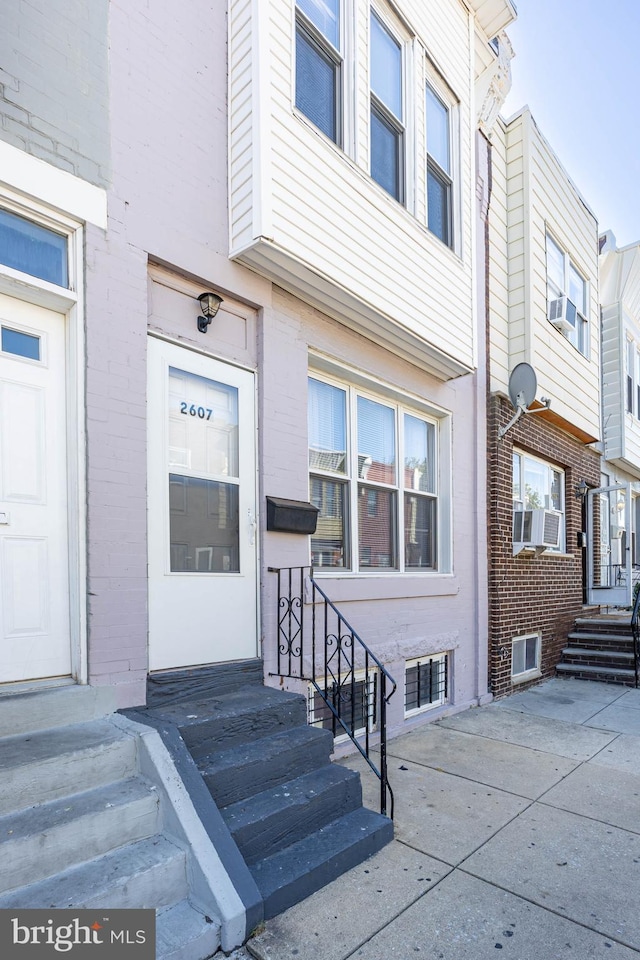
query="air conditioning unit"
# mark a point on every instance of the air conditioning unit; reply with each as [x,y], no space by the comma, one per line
[562,314]
[536,528]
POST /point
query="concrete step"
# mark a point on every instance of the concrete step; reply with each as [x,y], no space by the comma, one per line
[598,657]
[57,706]
[44,765]
[600,640]
[40,841]
[296,872]
[148,873]
[216,723]
[603,674]
[242,771]
[184,933]
[279,817]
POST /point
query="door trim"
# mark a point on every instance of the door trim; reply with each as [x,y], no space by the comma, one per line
[69,302]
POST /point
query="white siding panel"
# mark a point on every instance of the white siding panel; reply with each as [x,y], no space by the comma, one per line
[241,122]
[612,383]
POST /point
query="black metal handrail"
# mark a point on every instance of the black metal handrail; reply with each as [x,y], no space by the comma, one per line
[635,632]
[318,645]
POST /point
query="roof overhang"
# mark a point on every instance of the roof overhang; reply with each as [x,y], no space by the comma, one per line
[493,16]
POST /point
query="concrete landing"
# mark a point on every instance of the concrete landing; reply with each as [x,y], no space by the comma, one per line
[517,836]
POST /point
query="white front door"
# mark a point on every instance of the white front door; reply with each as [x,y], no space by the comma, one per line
[201,509]
[609,545]
[34,564]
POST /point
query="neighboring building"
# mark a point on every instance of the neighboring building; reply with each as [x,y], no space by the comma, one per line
[320,181]
[620,306]
[545,313]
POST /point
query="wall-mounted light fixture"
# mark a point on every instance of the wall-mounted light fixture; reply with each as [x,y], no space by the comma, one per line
[209,304]
[580,490]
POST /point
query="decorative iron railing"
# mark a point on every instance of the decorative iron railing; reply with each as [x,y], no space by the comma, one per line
[350,687]
[635,631]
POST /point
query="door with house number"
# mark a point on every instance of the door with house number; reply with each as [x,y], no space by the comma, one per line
[201,510]
[34,564]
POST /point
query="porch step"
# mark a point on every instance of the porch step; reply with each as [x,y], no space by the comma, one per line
[246,714]
[80,826]
[149,873]
[166,686]
[298,871]
[54,836]
[242,771]
[601,673]
[592,640]
[279,817]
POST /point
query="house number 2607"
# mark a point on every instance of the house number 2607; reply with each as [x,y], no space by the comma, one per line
[190,410]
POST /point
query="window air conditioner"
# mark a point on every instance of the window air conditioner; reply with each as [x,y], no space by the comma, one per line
[536,528]
[562,314]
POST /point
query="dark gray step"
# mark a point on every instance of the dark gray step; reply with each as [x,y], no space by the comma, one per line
[603,674]
[216,723]
[276,818]
[149,873]
[293,874]
[601,639]
[184,933]
[244,770]
[46,764]
[613,626]
[614,658]
[169,686]
[50,837]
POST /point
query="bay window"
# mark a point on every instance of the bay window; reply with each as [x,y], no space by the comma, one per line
[373,476]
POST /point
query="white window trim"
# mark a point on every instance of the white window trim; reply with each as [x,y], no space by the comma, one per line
[69,301]
[561,548]
[354,383]
[568,263]
[536,671]
[343,57]
[443,657]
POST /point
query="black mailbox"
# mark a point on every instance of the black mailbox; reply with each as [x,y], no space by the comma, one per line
[291,516]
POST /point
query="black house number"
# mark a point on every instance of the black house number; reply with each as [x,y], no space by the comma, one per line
[190,410]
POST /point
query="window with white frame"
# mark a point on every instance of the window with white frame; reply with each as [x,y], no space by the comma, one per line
[352,701]
[630,359]
[525,657]
[439,167]
[426,683]
[538,502]
[319,64]
[637,369]
[374,478]
[33,248]
[387,126]
[567,296]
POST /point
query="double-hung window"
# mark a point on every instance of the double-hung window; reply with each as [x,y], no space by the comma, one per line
[567,296]
[538,502]
[387,130]
[319,65]
[373,477]
[630,364]
[439,182]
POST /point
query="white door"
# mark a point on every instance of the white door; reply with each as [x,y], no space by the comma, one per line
[34,565]
[201,510]
[608,545]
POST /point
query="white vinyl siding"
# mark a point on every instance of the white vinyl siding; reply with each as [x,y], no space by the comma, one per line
[541,199]
[344,242]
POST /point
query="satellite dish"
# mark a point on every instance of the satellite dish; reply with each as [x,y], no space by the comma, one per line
[523,385]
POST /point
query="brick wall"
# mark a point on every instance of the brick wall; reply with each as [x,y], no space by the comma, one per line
[528,594]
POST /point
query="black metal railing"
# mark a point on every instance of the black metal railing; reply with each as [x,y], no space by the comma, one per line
[635,632]
[350,687]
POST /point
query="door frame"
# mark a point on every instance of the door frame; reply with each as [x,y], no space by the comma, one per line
[617,596]
[70,303]
[220,358]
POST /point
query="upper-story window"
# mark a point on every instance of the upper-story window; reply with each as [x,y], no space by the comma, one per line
[567,296]
[319,65]
[439,170]
[374,479]
[33,249]
[387,128]
[629,364]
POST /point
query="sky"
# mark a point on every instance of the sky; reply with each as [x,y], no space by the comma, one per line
[577,66]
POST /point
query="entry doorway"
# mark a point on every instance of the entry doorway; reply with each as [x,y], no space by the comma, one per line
[201,509]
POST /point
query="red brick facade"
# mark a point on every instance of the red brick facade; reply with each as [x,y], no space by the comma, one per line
[529,593]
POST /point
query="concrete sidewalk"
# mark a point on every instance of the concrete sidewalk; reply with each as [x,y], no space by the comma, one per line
[517,830]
